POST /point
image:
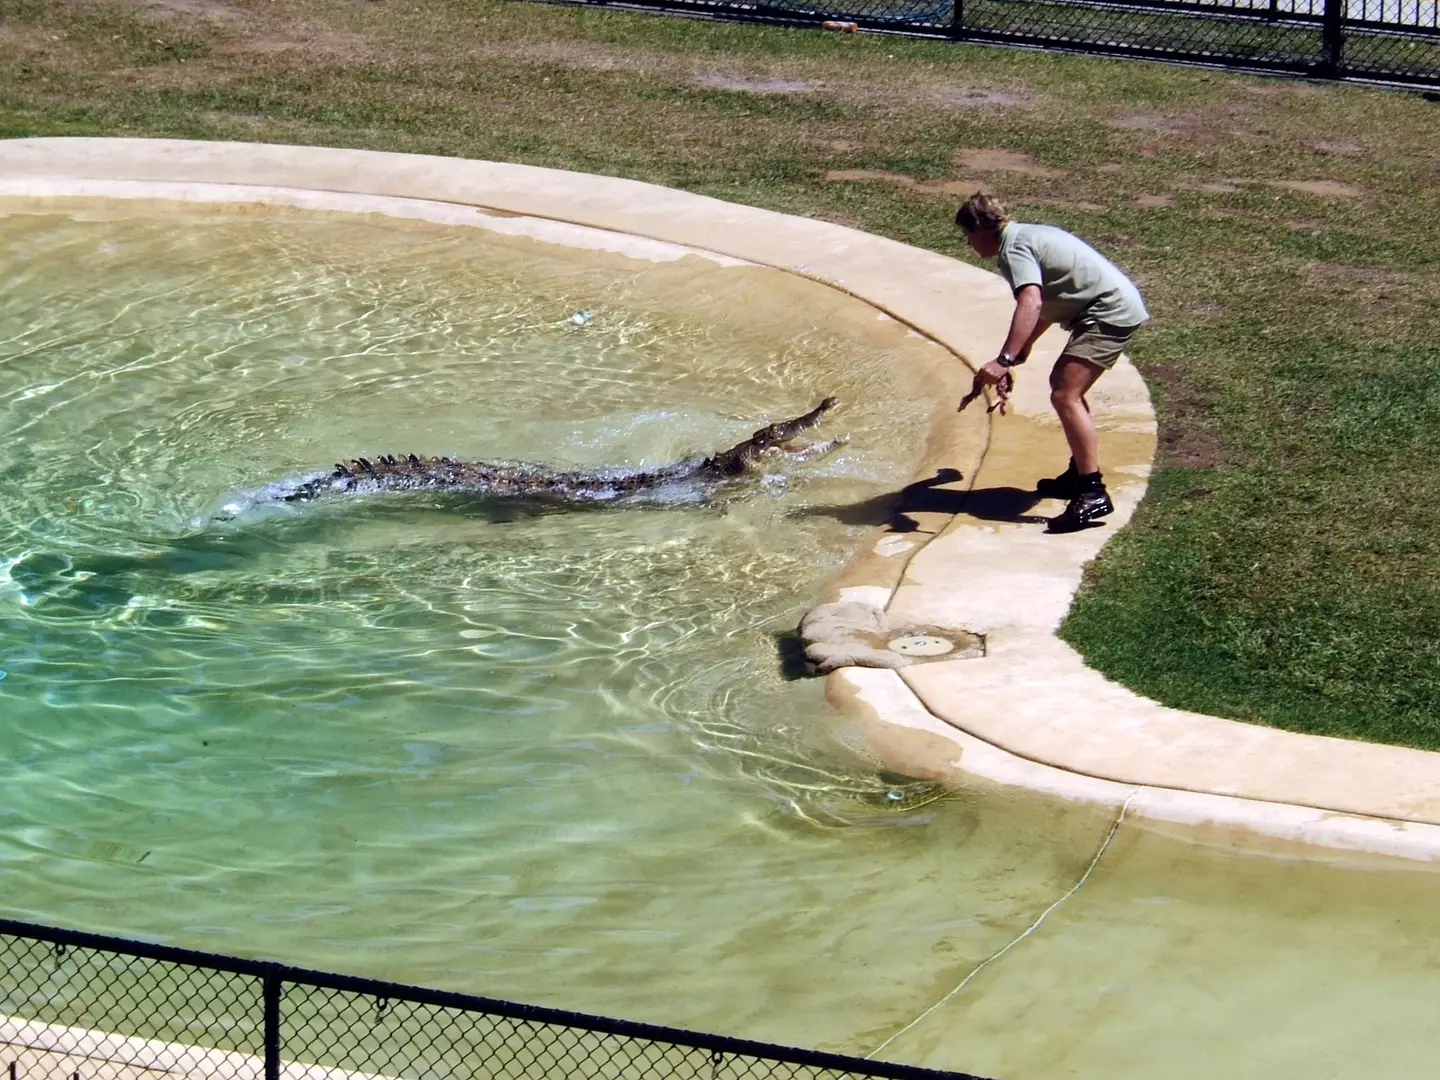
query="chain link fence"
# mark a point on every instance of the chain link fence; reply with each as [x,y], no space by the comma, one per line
[77,1006]
[1391,41]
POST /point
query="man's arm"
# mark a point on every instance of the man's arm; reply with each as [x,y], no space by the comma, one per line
[1024,353]
[1026,326]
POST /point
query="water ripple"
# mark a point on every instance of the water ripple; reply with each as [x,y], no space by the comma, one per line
[407,702]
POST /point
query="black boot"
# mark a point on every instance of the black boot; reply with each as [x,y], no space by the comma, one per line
[1064,486]
[1090,502]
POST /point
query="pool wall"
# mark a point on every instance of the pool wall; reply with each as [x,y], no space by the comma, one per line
[966,557]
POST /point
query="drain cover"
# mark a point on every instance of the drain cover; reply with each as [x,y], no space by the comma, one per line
[922,645]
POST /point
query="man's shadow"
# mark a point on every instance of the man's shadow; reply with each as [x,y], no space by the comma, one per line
[897,509]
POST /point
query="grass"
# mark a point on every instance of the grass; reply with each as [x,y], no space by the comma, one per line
[1283,568]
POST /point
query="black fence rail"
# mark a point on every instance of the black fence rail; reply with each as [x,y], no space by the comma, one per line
[82,1006]
[1389,41]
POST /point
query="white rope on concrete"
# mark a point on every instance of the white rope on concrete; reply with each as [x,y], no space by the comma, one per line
[1114,828]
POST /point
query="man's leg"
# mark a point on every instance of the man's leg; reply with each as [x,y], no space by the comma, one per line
[1070,380]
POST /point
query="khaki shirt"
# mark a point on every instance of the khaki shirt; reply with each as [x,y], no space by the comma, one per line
[1076,282]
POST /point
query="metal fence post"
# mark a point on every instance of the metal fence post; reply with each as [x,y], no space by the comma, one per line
[1331,66]
[957,21]
[456,1028]
[270,991]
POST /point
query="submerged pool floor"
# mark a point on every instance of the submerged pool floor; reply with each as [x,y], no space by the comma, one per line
[554,756]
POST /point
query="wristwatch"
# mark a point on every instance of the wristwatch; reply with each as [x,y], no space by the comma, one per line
[1005,360]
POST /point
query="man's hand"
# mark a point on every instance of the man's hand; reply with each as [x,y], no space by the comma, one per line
[992,374]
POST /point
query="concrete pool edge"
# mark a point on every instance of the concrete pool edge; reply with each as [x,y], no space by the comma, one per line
[988,571]
[64,1050]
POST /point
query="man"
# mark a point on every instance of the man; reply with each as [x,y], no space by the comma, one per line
[1058,278]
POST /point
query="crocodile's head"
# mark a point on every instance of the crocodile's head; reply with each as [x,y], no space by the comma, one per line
[774,436]
[786,430]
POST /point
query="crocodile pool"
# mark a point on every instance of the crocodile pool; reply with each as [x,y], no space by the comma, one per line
[562,756]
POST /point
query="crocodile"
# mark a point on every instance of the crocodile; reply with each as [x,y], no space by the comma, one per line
[564,486]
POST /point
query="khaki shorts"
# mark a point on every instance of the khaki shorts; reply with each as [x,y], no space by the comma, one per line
[1099,343]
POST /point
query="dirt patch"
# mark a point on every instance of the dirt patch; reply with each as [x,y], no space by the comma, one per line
[1211,187]
[870,174]
[262,31]
[1343,149]
[973,162]
[769,85]
[1147,201]
[988,160]
[576,56]
[1185,439]
[1169,131]
[1166,125]
[19,43]
[318,42]
[1374,282]
[1326,189]
[205,9]
[962,97]
[953,188]
[1334,271]
[958,189]
[1069,204]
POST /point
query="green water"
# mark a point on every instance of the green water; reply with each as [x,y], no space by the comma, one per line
[422,736]
[556,756]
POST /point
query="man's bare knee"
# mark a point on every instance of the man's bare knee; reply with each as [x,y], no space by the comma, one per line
[1062,398]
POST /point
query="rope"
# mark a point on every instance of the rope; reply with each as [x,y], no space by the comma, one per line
[1114,828]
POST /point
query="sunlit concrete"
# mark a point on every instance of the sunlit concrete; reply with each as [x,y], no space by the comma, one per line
[1028,712]
[55,1050]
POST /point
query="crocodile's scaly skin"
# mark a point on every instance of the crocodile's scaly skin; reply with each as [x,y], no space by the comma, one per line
[389,473]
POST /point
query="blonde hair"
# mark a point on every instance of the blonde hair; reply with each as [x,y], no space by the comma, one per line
[982,213]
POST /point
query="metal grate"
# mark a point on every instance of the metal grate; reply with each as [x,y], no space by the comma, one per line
[1395,41]
[86,1007]
[1155,32]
